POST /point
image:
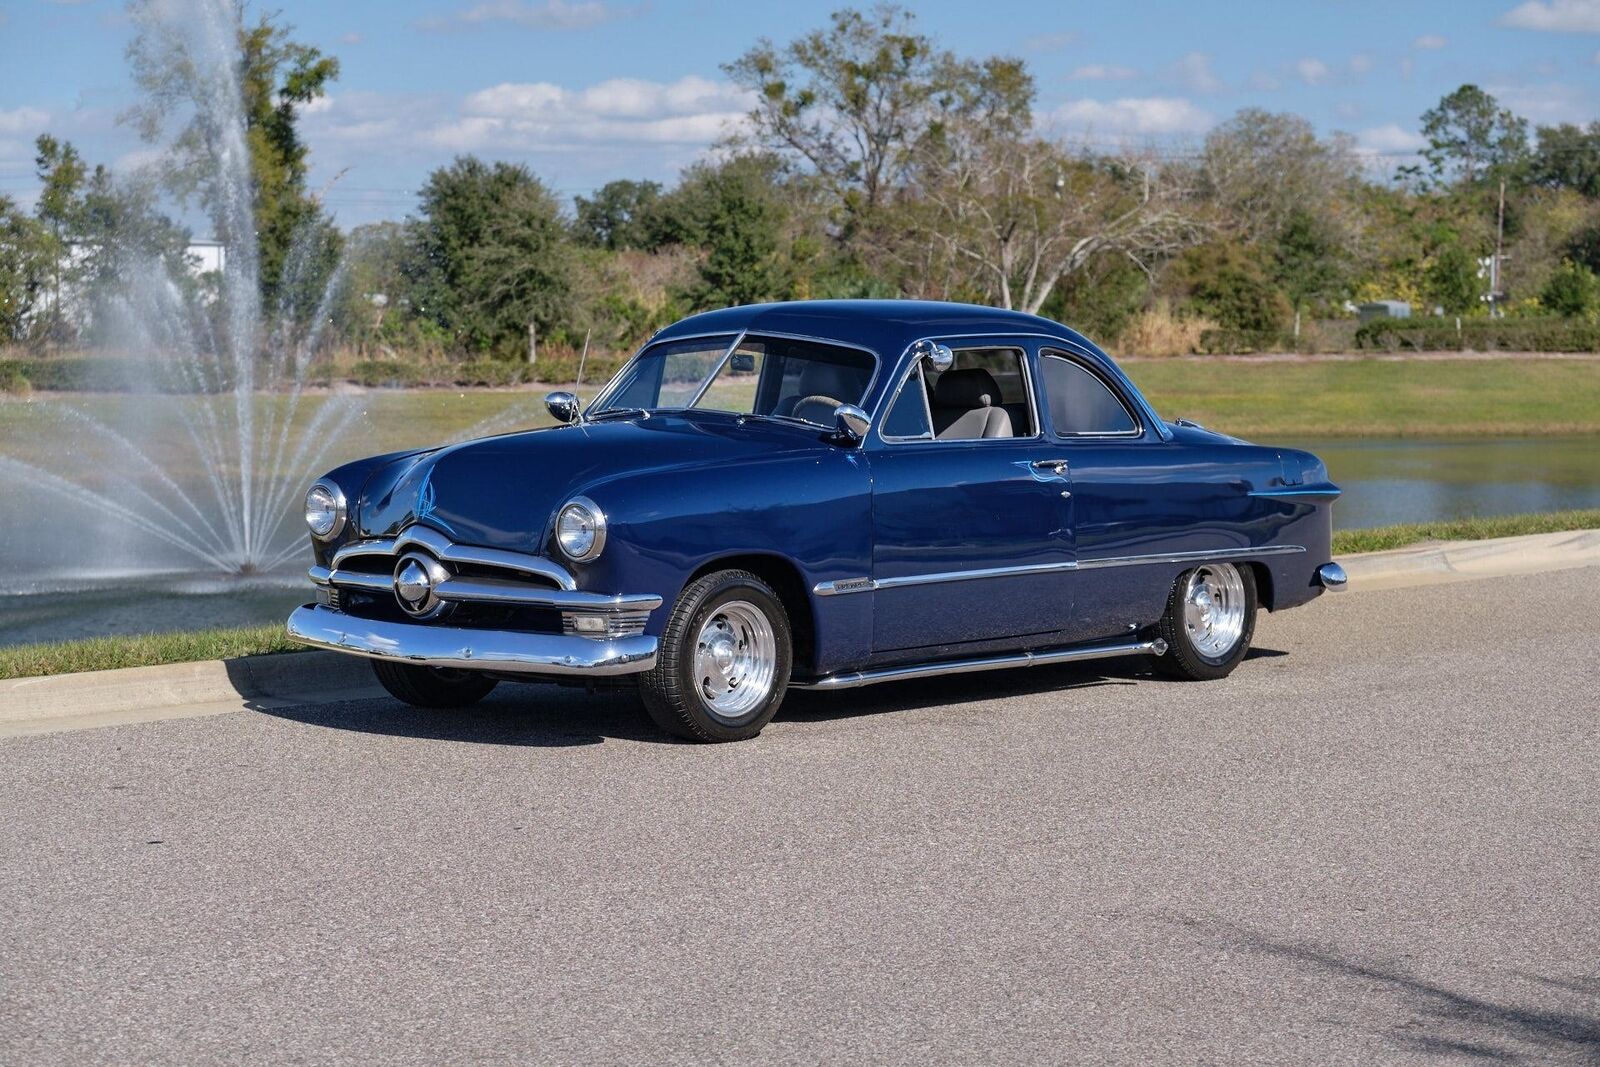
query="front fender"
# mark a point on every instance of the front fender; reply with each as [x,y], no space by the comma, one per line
[812,510]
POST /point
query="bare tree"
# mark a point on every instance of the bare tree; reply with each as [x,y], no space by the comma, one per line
[1258,168]
[1026,212]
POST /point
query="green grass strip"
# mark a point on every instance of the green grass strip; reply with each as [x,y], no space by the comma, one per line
[142,650]
[1347,541]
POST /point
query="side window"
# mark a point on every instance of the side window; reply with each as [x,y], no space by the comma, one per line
[984,394]
[908,415]
[1080,403]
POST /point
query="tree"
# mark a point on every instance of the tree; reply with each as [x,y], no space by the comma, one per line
[1259,168]
[1571,291]
[621,215]
[1226,282]
[488,253]
[26,265]
[1308,261]
[1470,136]
[1568,157]
[1024,213]
[1452,279]
[62,174]
[854,100]
[265,90]
[740,224]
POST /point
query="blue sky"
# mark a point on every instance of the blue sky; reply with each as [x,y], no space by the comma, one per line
[584,91]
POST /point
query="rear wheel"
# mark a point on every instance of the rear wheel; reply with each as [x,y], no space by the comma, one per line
[1209,621]
[723,665]
[432,687]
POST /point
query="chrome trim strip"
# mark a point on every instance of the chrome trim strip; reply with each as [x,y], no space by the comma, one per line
[486,650]
[492,591]
[1046,657]
[1204,556]
[376,583]
[450,552]
[1307,492]
[841,586]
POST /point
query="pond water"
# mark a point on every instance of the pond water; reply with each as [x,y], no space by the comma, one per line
[1384,481]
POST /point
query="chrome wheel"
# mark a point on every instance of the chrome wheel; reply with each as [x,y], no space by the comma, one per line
[1214,609]
[735,660]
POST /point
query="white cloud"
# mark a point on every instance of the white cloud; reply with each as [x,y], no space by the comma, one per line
[1347,109]
[1150,115]
[1101,72]
[1548,103]
[1430,42]
[1049,42]
[540,15]
[1194,73]
[1264,82]
[1360,63]
[22,120]
[1555,16]
[1388,140]
[1312,71]
[351,38]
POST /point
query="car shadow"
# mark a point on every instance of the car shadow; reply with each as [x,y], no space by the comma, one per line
[531,716]
[553,716]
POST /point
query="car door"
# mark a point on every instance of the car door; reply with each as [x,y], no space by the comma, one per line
[971,533]
[1129,492]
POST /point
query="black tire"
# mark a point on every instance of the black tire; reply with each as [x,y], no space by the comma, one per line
[432,687]
[673,696]
[1183,659]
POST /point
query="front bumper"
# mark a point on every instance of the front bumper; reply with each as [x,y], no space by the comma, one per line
[503,651]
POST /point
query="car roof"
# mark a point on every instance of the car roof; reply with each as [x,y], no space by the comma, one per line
[885,326]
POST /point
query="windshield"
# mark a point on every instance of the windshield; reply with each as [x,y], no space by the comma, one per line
[772,376]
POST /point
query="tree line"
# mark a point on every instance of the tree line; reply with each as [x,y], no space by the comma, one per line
[875,163]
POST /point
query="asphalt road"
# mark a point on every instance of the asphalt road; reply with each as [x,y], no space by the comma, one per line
[1376,842]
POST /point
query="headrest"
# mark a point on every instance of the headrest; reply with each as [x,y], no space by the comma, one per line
[971,388]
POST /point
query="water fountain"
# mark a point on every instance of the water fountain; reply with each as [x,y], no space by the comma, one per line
[195,471]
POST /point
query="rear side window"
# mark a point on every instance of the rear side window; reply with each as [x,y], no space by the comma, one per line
[1080,402]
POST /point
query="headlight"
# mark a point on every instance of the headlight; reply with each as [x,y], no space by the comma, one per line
[325,510]
[581,530]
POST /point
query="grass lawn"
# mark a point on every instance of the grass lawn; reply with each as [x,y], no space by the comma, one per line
[146,650]
[143,650]
[1376,540]
[1376,398]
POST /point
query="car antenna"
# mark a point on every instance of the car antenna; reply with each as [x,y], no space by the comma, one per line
[581,357]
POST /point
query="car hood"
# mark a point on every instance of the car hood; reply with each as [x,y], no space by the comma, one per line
[502,491]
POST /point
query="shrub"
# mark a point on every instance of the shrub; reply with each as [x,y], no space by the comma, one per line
[1157,332]
[490,372]
[1547,334]
[12,380]
[390,373]
[1571,290]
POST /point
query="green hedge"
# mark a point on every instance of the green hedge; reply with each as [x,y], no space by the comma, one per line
[13,380]
[97,374]
[1434,334]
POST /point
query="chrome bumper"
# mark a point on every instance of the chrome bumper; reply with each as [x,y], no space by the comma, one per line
[1332,577]
[484,650]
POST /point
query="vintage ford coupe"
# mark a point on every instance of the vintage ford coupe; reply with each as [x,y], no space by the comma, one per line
[817,495]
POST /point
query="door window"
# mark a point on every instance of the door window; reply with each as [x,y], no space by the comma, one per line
[1081,403]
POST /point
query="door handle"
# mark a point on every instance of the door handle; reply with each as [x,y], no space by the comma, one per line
[1058,467]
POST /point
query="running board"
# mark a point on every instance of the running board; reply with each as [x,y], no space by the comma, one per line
[1042,658]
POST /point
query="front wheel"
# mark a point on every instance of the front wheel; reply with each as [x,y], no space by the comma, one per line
[1209,621]
[723,665]
[432,687]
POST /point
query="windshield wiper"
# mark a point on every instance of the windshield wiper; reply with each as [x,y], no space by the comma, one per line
[611,413]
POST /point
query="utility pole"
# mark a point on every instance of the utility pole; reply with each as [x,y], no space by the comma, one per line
[533,344]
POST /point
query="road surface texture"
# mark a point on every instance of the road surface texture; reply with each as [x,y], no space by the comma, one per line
[1376,842]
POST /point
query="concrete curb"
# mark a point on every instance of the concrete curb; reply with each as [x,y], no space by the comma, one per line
[178,690]
[216,687]
[1433,562]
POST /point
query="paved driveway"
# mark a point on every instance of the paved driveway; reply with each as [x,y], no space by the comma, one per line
[1378,840]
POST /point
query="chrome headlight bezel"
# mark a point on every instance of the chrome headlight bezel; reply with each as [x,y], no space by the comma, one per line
[339,508]
[594,523]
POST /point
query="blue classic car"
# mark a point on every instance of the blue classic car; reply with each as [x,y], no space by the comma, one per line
[816,495]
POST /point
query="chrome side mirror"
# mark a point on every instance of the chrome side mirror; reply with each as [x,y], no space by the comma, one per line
[564,406]
[851,422]
[939,356]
